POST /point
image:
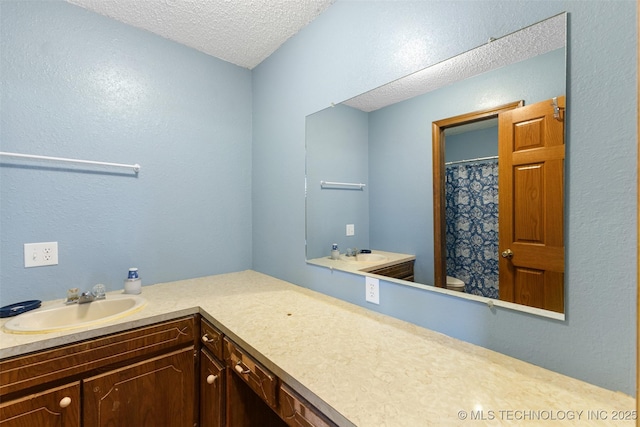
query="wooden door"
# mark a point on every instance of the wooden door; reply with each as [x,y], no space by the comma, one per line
[531,207]
[439,211]
[158,392]
[58,407]
[212,391]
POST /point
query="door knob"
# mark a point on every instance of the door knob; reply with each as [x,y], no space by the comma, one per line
[507,254]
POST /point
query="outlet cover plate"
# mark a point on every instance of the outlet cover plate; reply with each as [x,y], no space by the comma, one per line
[372,286]
[40,254]
[351,229]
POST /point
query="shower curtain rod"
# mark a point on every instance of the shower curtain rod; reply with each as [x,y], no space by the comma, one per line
[478,159]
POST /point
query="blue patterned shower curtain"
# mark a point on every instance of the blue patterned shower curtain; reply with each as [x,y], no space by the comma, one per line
[472,225]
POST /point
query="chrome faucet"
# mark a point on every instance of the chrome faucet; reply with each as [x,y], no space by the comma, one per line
[352,252]
[88,296]
[98,292]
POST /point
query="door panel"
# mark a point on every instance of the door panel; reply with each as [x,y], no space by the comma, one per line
[528,203]
[158,392]
[531,207]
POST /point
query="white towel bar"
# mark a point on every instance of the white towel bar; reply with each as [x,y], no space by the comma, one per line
[136,167]
[346,185]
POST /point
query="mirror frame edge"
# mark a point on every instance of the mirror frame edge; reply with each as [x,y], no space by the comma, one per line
[638,235]
[438,146]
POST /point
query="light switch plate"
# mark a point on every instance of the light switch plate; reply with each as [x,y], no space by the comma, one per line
[40,254]
[372,286]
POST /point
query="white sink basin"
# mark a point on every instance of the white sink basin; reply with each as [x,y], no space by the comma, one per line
[60,317]
[370,257]
[362,258]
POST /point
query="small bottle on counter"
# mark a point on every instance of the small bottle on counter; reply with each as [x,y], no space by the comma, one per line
[133,283]
[335,253]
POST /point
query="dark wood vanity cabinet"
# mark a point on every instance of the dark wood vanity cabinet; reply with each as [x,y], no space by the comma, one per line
[180,373]
[142,377]
[257,397]
[235,390]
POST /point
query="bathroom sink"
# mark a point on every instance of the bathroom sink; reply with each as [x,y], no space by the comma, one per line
[360,258]
[61,317]
[370,257]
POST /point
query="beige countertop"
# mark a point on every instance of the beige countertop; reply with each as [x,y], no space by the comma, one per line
[399,375]
[350,265]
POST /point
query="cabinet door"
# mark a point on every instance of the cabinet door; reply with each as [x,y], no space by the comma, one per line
[58,407]
[152,393]
[211,391]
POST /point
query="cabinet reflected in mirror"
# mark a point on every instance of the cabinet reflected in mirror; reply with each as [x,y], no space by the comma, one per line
[383,139]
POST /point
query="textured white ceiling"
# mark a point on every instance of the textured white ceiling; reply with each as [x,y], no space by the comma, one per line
[243,32]
[526,43]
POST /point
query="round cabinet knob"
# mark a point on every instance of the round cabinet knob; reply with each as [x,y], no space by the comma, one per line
[211,379]
[241,369]
[507,254]
[65,401]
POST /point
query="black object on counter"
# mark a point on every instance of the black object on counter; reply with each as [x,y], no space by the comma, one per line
[19,308]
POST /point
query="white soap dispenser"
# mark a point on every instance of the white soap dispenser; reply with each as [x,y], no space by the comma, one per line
[335,253]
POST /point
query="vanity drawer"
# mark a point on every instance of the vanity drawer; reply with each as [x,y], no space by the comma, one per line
[297,412]
[211,339]
[257,377]
[37,369]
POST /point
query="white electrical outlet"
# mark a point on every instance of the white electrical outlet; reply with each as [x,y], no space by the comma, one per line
[351,229]
[39,254]
[372,290]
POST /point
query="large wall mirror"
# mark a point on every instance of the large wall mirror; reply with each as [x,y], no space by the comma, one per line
[370,160]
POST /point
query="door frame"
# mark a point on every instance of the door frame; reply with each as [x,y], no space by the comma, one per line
[439,215]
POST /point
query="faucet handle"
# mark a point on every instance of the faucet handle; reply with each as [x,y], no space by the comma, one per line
[99,291]
[72,296]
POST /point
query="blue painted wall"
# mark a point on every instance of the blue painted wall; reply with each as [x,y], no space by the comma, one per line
[337,140]
[472,144]
[76,84]
[356,46]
